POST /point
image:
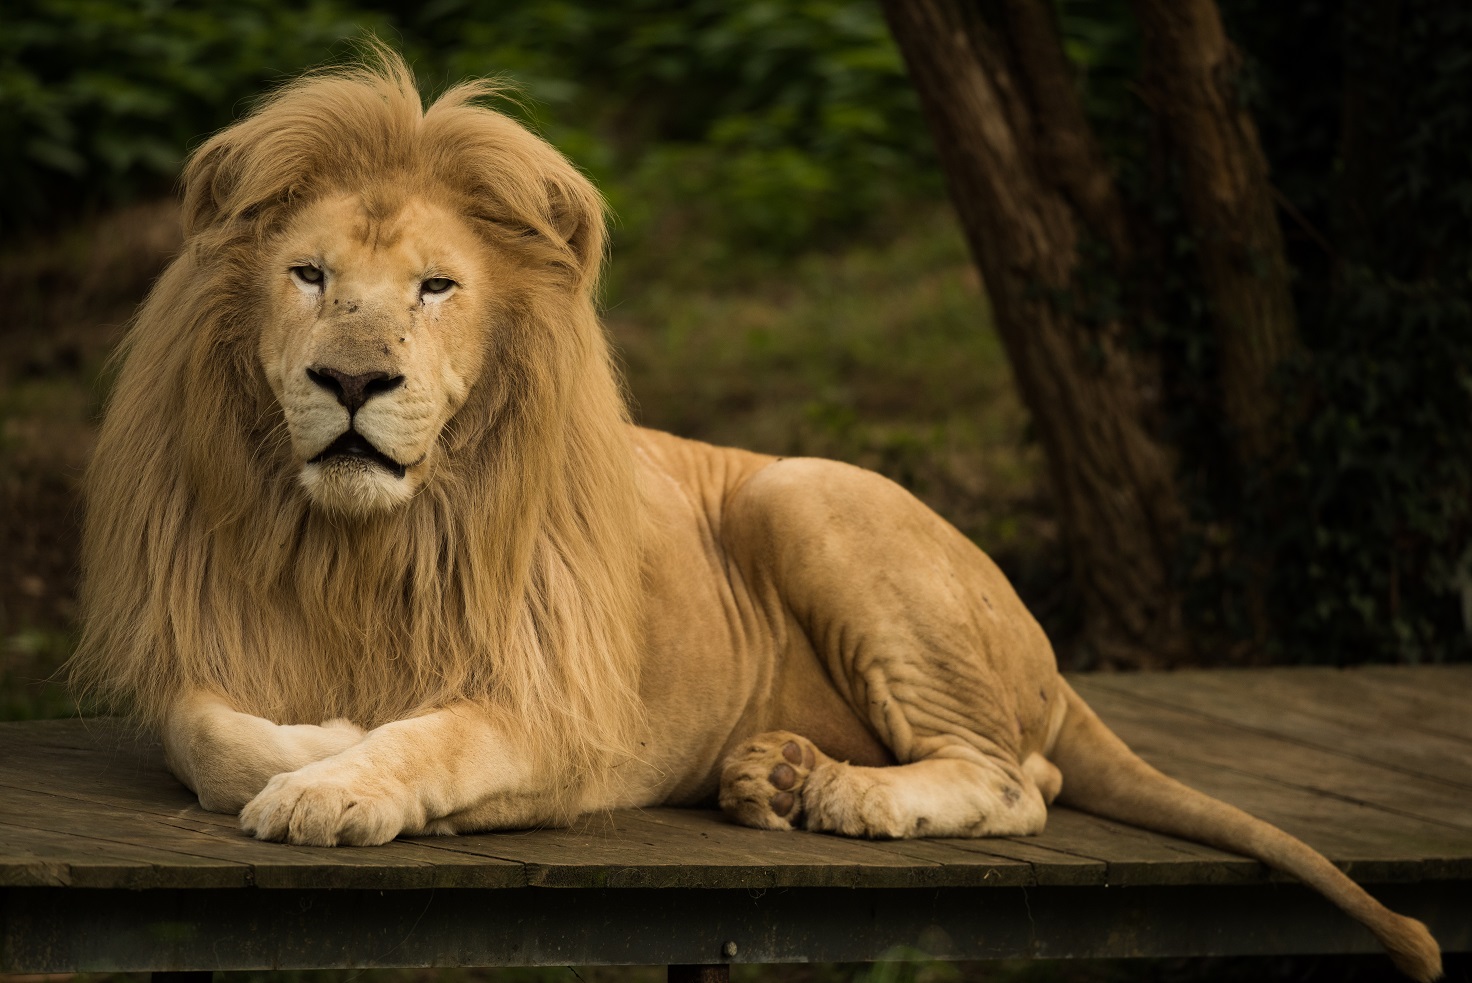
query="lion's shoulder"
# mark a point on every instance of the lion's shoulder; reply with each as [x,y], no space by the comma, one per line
[707,476]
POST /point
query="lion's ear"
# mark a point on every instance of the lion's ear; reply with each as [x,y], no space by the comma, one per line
[577,216]
[207,186]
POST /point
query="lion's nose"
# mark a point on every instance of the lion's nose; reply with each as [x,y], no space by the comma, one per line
[352,391]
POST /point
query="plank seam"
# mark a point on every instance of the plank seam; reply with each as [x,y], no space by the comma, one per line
[1301,742]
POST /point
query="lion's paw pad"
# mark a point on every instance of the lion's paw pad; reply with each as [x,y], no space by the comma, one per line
[762,781]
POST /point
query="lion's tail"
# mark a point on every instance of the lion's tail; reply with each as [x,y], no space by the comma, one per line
[1103,776]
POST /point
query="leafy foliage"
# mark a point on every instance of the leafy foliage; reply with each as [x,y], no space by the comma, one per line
[777,122]
[99,100]
[772,124]
[1375,555]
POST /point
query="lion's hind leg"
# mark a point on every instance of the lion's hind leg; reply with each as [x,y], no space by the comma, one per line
[780,780]
[1045,775]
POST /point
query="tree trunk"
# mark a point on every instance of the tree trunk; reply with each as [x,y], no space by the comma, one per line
[1033,191]
[1190,72]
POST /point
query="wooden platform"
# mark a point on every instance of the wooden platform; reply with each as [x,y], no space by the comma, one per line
[106,863]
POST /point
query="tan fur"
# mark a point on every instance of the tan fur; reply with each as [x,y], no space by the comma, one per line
[522,607]
[205,566]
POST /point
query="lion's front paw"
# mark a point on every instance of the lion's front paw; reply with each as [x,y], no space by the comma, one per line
[319,806]
[762,781]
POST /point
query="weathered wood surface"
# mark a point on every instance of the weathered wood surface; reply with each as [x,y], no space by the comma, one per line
[1371,766]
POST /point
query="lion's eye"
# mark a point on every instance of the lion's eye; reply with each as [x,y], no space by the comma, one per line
[309,274]
[436,285]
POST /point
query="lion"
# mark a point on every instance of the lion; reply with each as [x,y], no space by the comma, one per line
[373,546]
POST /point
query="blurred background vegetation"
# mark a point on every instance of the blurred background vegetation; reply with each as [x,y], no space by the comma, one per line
[787,275]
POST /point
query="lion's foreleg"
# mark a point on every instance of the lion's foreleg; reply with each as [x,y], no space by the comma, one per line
[226,757]
[448,771]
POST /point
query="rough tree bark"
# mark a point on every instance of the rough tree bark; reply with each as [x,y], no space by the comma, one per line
[1036,196]
[1190,70]
[1030,186]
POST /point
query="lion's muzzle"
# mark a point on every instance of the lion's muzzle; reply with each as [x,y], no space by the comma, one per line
[352,391]
[354,445]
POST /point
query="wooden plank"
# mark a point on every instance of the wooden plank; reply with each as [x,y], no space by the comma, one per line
[1436,697]
[71,764]
[938,862]
[189,851]
[1368,843]
[1078,850]
[962,867]
[1433,707]
[397,865]
[1022,860]
[598,852]
[1133,857]
[82,757]
[699,848]
[111,847]
[1045,864]
[651,849]
[695,831]
[1382,835]
[94,770]
[273,865]
[1254,701]
[99,744]
[44,858]
[1416,725]
[92,762]
[1149,726]
[1364,814]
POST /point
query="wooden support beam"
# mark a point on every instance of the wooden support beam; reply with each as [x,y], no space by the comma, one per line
[202,976]
[700,974]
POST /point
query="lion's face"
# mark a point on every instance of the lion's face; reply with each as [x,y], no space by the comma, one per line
[373,337]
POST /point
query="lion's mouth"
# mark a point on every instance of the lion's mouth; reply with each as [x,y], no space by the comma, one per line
[355,445]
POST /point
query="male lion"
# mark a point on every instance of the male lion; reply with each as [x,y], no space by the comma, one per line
[367,463]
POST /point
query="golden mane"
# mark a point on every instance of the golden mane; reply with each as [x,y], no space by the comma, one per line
[511,579]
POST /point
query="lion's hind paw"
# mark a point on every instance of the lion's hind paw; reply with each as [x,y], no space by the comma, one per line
[762,781]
